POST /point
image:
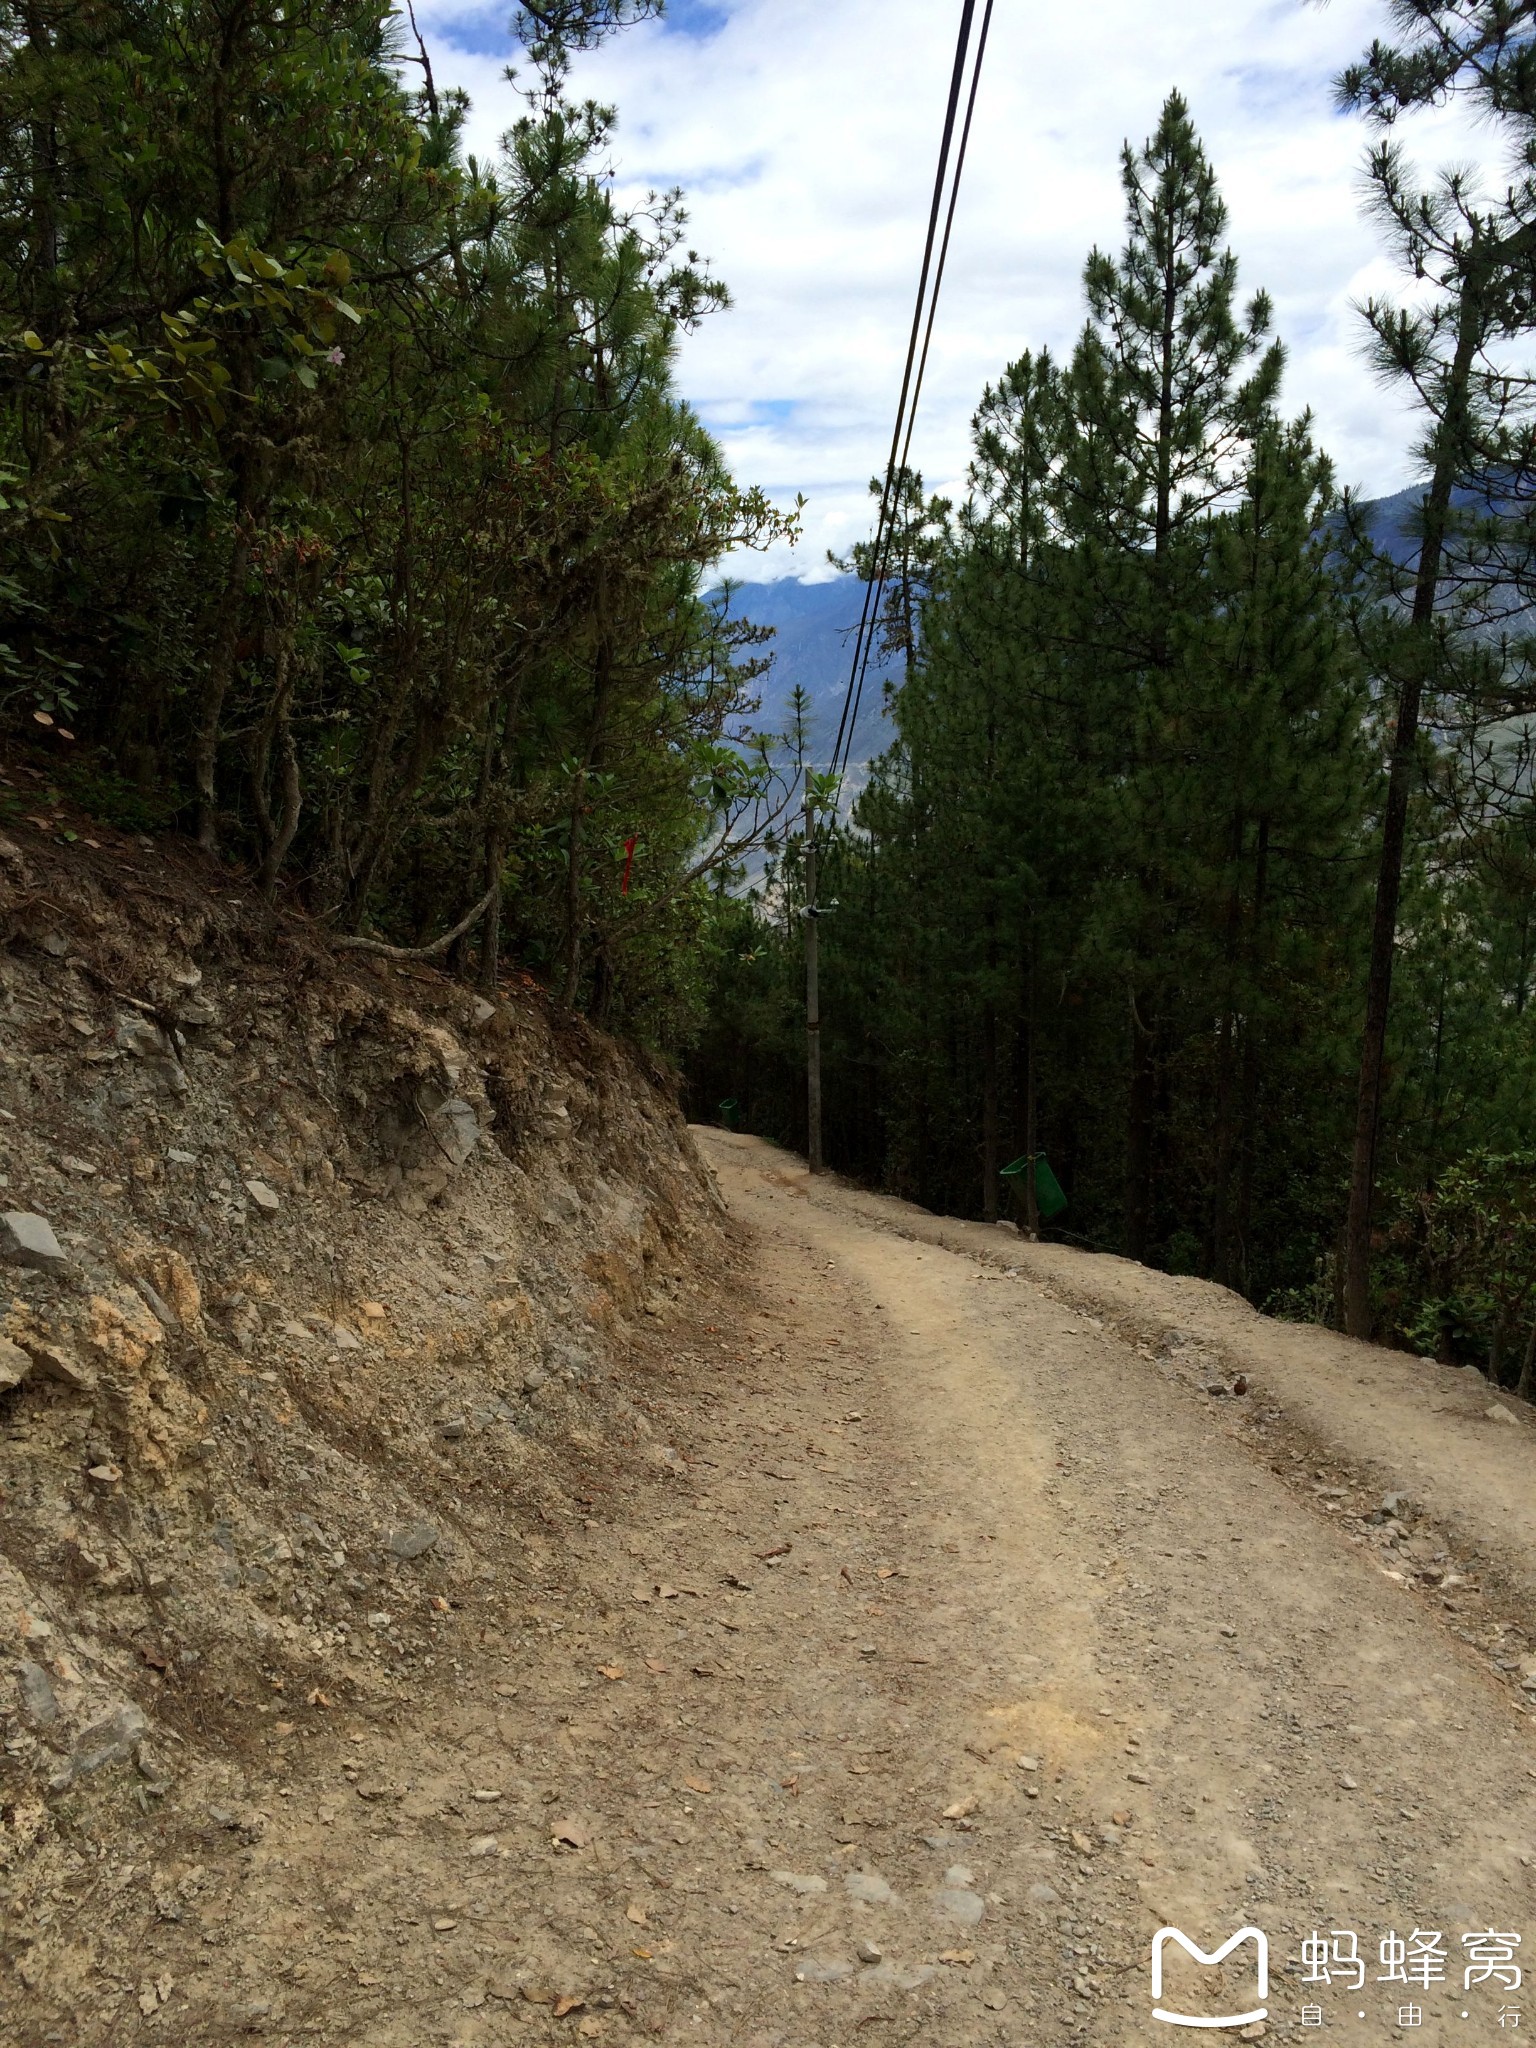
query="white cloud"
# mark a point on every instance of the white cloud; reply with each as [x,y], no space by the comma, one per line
[805,133]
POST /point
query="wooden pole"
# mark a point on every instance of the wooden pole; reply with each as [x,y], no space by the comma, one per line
[1031,1121]
[812,999]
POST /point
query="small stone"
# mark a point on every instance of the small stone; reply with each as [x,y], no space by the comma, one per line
[266,1198]
[955,1902]
[104,1476]
[160,1309]
[1027,1763]
[443,1925]
[483,1011]
[373,1310]
[414,1540]
[455,1130]
[1043,1894]
[110,1740]
[178,1158]
[867,1951]
[57,1362]
[453,1428]
[14,1365]
[1348,1784]
[1138,1777]
[1216,1387]
[884,1974]
[995,2001]
[37,1696]
[153,1768]
[793,1881]
[28,1240]
[72,1164]
[835,1970]
[143,1039]
[1499,1413]
[483,1845]
[869,1886]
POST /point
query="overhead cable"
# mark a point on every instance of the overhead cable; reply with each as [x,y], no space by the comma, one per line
[912,375]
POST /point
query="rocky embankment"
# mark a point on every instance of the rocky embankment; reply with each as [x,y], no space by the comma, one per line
[316,1269]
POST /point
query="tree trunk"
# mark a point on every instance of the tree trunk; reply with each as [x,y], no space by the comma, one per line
[991,1164]
[1031,1109]
[1451,452]
[1248,1103]
[216,682]
[1138,1152]
[277,833]
[1496,1346]
[1527,1381]
[602,691]
[1229,1033]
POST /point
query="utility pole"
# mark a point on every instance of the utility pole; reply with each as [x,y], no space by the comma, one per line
[812,998]
[1031,1120]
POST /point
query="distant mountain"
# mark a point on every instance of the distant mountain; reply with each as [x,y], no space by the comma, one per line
[814,629]
[1391,523]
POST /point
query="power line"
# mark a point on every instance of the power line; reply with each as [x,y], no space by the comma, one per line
[957,76]
[911,386]
[901,448]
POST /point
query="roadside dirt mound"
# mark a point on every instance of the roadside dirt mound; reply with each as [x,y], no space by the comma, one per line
[317,1268]
[1429,1463]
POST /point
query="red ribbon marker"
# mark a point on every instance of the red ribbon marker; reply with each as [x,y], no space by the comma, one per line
[629,861]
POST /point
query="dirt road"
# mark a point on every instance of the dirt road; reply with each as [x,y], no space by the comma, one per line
[954,1644]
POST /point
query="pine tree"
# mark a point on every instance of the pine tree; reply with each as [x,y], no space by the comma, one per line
[1479,259]
[1170,384]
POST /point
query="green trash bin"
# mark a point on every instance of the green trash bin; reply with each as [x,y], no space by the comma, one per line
[1049,1199]
[728,1110]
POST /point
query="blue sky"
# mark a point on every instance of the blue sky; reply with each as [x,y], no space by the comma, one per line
[805,130]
